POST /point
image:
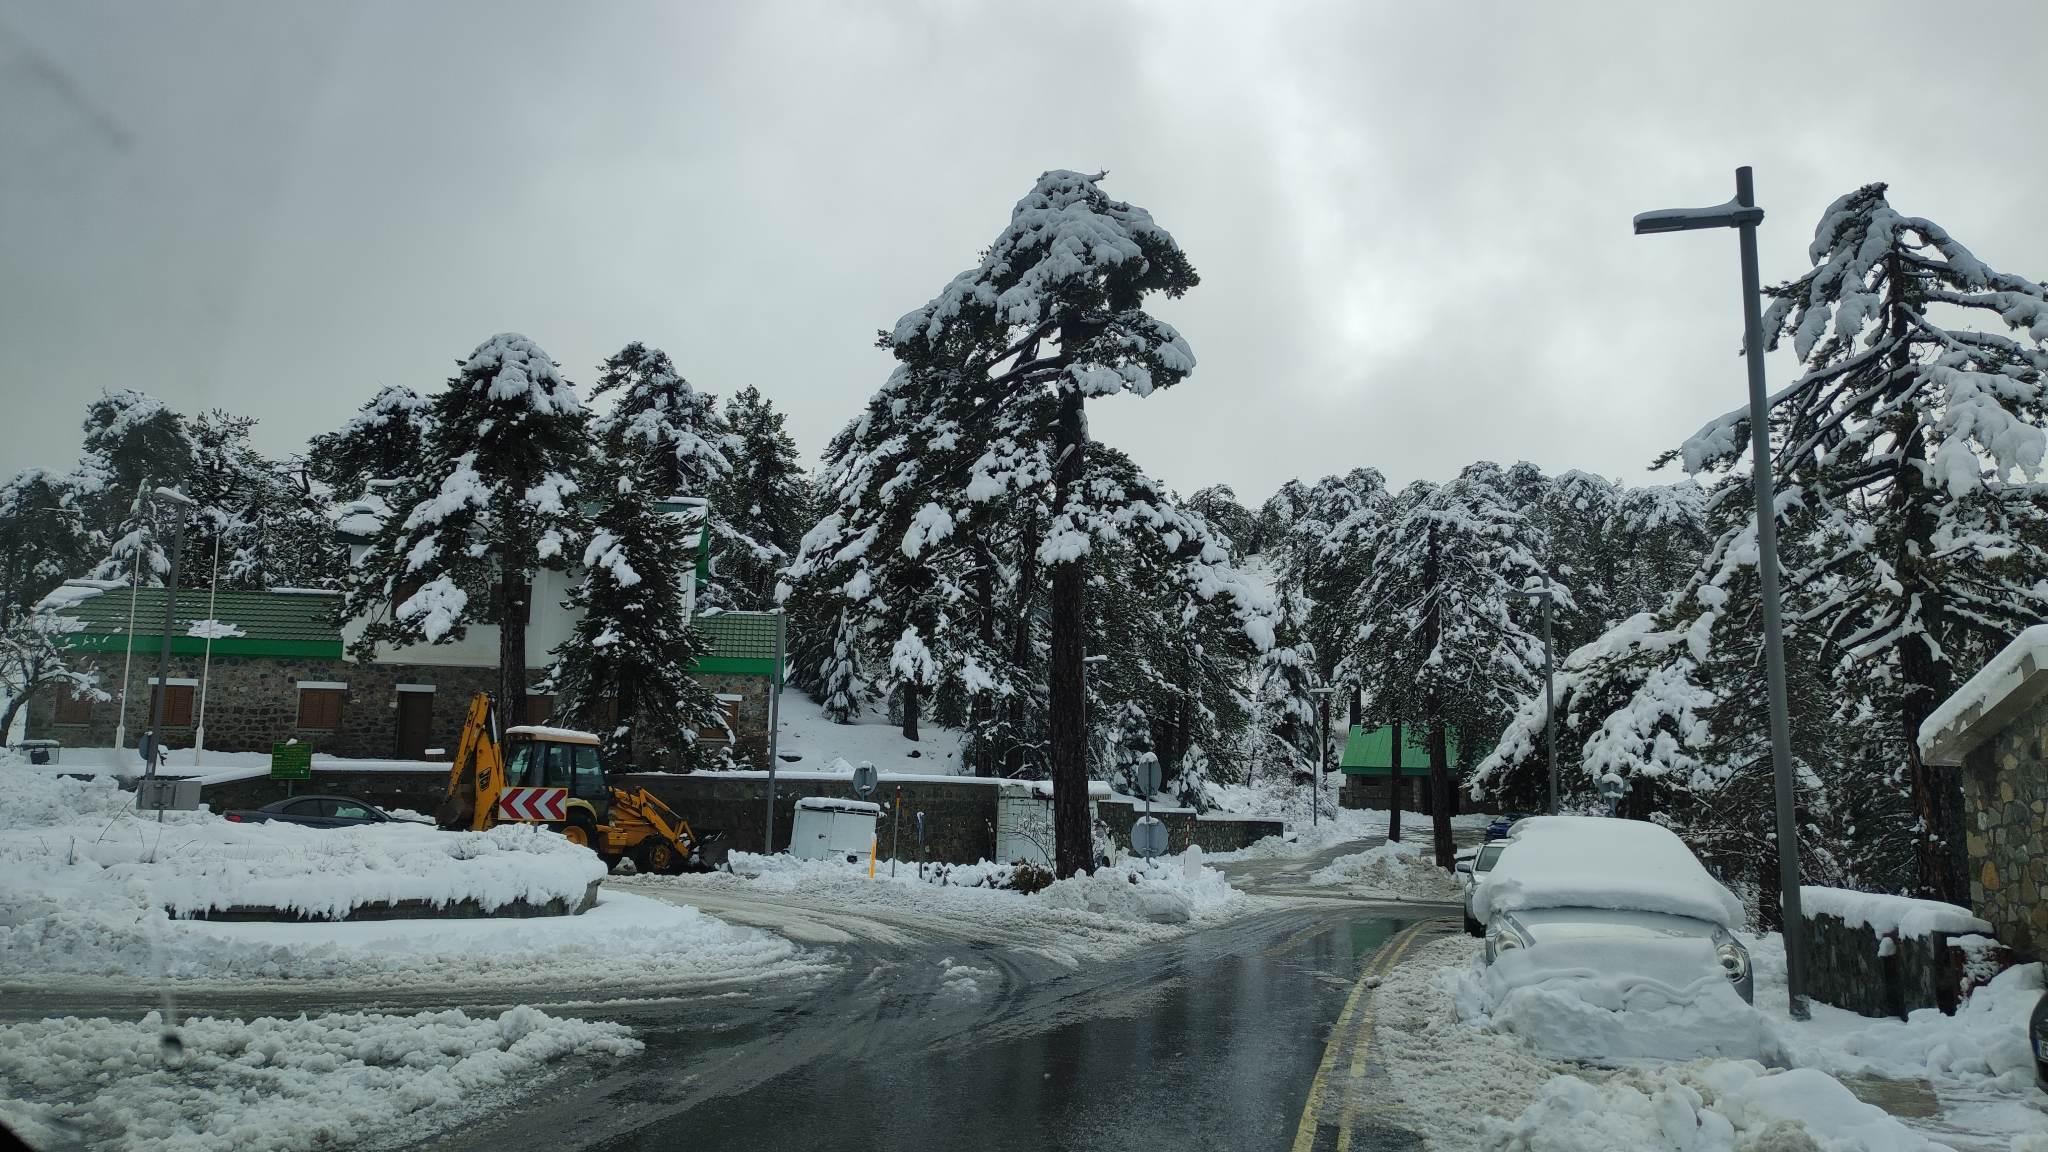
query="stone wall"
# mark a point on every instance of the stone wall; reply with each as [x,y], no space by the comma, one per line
[751,743]
[416,791]
[2005,813]
[253,702]
[1872,975]
[960,818]
[1184,828]
[1370,793]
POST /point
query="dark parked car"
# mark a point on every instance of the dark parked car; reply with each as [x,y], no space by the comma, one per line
[1502,825]
[318,812]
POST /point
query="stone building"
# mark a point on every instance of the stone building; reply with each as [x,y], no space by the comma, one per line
[1994,732]
[275,669]
[1368,767]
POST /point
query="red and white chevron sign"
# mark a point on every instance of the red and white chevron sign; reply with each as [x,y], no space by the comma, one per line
[548,804]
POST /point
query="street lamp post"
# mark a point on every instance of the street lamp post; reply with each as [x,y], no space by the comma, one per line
[1549,694]
[179,505]
[1322,695]
[1743,215]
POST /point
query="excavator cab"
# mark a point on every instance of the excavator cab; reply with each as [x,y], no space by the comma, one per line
[537,757]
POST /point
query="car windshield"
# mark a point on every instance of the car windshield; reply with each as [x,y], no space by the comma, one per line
[1487,855]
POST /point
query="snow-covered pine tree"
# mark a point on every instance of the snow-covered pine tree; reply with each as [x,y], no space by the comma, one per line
[1285,724]
[673,437]
[1219,506]
[766,497]
[384,440]
[270,531]
[1901,454]
[840,675]
[43,539]
[1056,308]
[1332,569]
[494,497]
[1443,642]
[624,671]
[132,443]
[1660,533]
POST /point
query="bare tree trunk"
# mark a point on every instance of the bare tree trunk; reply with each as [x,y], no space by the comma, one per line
[511,643]
[1439,760]
[980,707]
[1397,791]
[1073,836]
[1020,640]
[910,694]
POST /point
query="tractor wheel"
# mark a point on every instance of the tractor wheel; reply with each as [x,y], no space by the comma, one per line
[581,829]
[657,857]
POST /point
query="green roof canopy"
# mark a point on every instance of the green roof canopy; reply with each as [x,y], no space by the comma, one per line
[292,624]
[1371,753]
[742,644]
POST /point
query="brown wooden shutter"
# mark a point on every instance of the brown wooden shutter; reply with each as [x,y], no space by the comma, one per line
[320,708]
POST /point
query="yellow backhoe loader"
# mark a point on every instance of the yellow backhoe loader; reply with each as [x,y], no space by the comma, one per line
[556,777]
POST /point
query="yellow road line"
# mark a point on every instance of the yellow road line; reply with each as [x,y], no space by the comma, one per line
[1351,1108]
[1305,1132]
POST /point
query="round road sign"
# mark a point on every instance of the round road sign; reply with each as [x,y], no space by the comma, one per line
[1148,837]
[1147,772]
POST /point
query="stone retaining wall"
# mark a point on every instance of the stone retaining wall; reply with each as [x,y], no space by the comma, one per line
[1184,828]
[1872,975]
[2005,806]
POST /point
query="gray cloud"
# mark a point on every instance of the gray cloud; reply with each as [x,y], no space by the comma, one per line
[1411,220]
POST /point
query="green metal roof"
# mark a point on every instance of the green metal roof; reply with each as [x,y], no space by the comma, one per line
[269,623]
[1371,753]
[741,643]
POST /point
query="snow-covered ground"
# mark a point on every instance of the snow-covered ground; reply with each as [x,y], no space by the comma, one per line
[816,741]
[211,767]
[93,891]
[1106,914]
[1461,1069]
[327,1081]
[1405,870]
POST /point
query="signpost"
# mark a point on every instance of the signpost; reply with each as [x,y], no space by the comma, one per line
[865,778]
[1148,835]
[291,761]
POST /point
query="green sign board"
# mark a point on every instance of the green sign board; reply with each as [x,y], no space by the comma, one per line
[291,761]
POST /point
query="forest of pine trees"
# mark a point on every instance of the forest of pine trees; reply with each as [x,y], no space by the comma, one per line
[966,557]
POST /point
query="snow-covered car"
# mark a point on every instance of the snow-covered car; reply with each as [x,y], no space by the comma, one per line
[1607,939]
[1474,872]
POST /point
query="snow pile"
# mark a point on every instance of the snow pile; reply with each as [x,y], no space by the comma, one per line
[1592,1015]
[1403,869]
[330,1080]
[1717,1106]
[195,866]
[1161,892]
[1596,862]
[1889,915]
[43,800]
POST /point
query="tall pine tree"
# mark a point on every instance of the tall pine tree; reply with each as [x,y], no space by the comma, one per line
[494,497]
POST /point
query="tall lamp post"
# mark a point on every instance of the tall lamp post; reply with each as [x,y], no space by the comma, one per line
[179,506]
[1322,695]
[1743,215]
[1549,694]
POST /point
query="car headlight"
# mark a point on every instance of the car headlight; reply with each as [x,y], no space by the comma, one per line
[1734,961]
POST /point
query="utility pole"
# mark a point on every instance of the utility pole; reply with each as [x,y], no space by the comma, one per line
[1322,696]
[1743,215]
[153,740]
[775,726]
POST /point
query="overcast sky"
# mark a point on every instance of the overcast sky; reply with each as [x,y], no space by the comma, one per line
[1411,220]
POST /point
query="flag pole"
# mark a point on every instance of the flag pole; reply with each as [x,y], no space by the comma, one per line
[206,659]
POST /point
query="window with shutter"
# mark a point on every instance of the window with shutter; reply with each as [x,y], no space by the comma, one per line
[320,708]
[728,711]
[73,709]
[539,708]
[177,706]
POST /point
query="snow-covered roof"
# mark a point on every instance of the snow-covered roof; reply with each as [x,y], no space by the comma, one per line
[834,804]
[558,735]
[1603,862]
[1981,708]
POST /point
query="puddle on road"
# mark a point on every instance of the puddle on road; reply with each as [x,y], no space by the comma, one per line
[1905,1099]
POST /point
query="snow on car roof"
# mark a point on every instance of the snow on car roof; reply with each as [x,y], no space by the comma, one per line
[1598,862]
[559,735]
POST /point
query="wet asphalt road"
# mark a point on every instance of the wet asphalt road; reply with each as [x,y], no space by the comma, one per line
[1211,1042]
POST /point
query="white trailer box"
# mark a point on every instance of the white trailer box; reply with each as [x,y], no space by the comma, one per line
[828,827]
